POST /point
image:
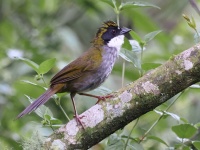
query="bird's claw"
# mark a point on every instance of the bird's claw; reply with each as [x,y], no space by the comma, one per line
[78,120]
[103,98]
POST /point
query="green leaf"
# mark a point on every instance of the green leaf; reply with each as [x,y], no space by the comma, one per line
[149,66]
[148,37]
[197,125]
[134,146]
[42,111]
[135,46]
[55,121]
[137,4]
[123,55]
[117,3]
[109,2]
[131,56]
[176,117]
[196,144]
[127,44]
[34,84]
[195,86]
[157,139]
[186,148]
[158,112]
[178,146]
[197,37]
[130,138]
[135,36]
[115,143]
[32,64]
[47,117]
[184,130]
[45,66]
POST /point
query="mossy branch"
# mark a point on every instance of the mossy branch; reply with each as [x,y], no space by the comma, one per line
[130,102]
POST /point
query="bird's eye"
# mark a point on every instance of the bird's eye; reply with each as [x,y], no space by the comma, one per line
[113,32]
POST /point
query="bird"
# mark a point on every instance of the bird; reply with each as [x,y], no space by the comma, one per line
[88,71]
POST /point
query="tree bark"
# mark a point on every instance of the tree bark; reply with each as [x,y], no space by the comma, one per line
[130,102]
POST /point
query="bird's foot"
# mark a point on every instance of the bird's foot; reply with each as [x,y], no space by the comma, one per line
[100,98]
[103,98]
[78,120]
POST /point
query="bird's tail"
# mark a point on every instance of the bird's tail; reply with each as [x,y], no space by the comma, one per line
[41,100]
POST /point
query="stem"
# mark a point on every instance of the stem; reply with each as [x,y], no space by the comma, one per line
[131,133]
[197,34]
[44,80]
[63,111]
[51,127]
[141,56]
[123,65]
[155,123]
[54,125]
[123,72]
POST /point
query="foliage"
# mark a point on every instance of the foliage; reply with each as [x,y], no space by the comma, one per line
[40,37]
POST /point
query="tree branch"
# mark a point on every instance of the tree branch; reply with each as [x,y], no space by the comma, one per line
[130,102]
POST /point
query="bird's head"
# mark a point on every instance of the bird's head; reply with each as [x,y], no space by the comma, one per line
[111,35]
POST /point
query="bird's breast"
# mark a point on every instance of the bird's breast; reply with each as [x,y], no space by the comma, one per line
[109,57]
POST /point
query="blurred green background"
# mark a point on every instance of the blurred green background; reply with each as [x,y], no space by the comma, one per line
[62,29]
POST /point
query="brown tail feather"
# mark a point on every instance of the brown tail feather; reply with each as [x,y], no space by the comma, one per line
[41,100]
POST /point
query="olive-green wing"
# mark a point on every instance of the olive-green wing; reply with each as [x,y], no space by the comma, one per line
[87,62]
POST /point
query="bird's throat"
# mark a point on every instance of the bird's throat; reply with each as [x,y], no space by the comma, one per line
[116,42]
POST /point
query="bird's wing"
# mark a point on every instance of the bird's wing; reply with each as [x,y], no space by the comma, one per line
[89,61]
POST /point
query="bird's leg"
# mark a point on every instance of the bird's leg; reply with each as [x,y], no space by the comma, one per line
[78,119]
[98,97]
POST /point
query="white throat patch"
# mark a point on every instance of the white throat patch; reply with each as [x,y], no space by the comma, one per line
[116,42]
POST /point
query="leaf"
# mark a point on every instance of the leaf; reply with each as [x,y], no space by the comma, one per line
[149,66]
[195,86]
[122,54]
[157,139]
[180,147]
[130,138]
[115,143]
[176,117]
[136,4]
[47,117]
[135,36]
[34,84]
[134,146]
[116,3]
[135,46]
[45,66]
[197,37]
[148,37]
[42,111]
[184,130]
[131,57]
[196,144]
[186,148]
[55,121]
[30,63]
[109,2]
[158,112]
[197,125]
[127,44]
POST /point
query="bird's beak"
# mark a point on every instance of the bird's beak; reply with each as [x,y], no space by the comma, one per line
[124,30]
